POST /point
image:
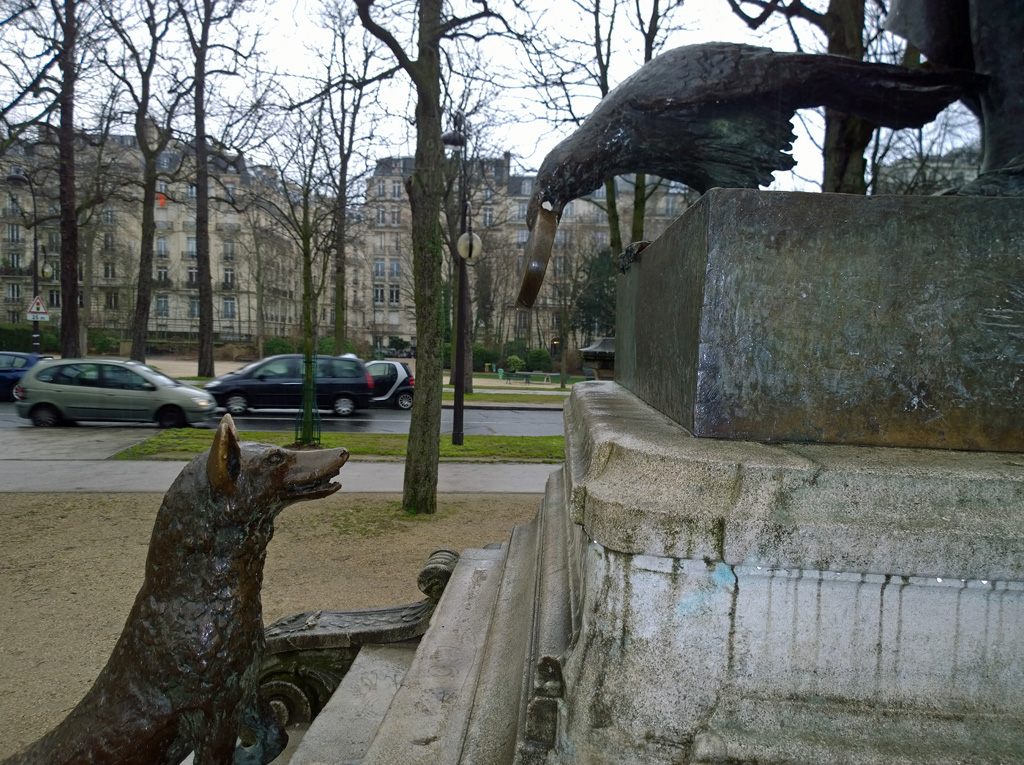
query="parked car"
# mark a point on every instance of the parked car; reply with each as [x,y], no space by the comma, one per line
[392,383]
[342,385]
[66,390]
[12,366]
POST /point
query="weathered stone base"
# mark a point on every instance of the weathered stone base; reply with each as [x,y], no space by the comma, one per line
[754,603]
[683,600]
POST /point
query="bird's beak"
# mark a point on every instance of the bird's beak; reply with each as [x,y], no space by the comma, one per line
[538,253]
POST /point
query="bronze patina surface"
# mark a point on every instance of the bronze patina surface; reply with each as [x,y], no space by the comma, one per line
[891,321]
[183,675]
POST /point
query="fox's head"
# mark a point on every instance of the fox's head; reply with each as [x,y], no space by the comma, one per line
[256,481]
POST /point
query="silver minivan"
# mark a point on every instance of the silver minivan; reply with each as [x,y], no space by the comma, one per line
[67,390]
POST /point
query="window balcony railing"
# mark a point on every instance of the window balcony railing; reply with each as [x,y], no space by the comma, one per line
[189,254]
[14,271]
[227,285]
[164,225]
[229,227]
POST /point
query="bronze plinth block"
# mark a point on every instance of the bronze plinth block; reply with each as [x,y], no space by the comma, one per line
[777,316]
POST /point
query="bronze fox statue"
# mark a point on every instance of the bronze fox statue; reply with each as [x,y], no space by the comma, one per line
[183,675]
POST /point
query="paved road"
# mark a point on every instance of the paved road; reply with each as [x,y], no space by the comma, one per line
[490,421]
[78,459]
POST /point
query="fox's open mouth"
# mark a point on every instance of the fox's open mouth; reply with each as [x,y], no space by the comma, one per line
[320,487]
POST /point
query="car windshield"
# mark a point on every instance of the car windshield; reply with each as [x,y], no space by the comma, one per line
[159,377]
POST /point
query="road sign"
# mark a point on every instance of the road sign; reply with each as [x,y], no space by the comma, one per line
[38,311]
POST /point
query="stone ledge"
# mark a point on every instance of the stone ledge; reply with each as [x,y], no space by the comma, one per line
[640,484]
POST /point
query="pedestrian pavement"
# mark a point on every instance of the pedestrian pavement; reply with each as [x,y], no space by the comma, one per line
[78,460]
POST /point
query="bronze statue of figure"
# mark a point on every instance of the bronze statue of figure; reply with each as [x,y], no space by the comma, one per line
[183,675]
[719,115]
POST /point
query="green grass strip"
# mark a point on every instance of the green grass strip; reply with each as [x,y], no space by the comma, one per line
[185,443]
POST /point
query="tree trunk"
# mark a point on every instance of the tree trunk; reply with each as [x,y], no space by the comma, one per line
[205,368]
[846,136]
[426,191]
[140,322]
[70,343]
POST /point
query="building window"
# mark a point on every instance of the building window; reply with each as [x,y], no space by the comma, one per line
[382,216]
[193,308]
[13,232]
[488,217]
[192,191]
[13,317]
[228,249]
[521,211]
[193,276]
[562,238]
[228,308]
[522,319]
[14,260]
[14,291]
[394,296]
[53,241]
[561,266]
[521,237]
[108,214]
[161,187]
[190,247]
[161,247]
[229,278]
[378,294]
[229,191]
[108,242]
[378,268]
[396,189]
[163,307]
[395,268]
[54,298]
[396,216]
[381,189]
[112,300]
[109,271]
[161,273]
[163,161]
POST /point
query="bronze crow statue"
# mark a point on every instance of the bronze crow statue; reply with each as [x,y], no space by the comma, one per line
[719,114]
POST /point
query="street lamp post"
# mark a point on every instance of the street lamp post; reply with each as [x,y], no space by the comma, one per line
[468,247]
[18,178]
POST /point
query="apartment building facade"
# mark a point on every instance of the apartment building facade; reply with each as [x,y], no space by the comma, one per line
[254,269]
[379,275]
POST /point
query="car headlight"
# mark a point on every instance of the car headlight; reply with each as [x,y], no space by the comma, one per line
[212,384]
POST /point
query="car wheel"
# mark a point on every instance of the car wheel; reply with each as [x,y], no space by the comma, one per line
[344,406]
[404,400]
[171,417]
[237,404]
[45,416]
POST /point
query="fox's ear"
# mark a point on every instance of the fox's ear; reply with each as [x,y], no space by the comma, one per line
[225,460]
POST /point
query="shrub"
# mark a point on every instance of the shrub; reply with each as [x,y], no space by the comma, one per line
[101,341]
[539,360]
[514,363]
[272,346]
[482,355]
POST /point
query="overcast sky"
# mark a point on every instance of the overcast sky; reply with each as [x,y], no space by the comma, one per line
[529,139]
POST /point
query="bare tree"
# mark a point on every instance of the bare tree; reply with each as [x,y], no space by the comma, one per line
[304,206]
[434,26]
[576,71]
[350,81]
[142,29]
[47,49]
[199,19]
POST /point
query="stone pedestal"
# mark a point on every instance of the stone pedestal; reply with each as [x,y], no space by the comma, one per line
[749,555]
[892,321]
